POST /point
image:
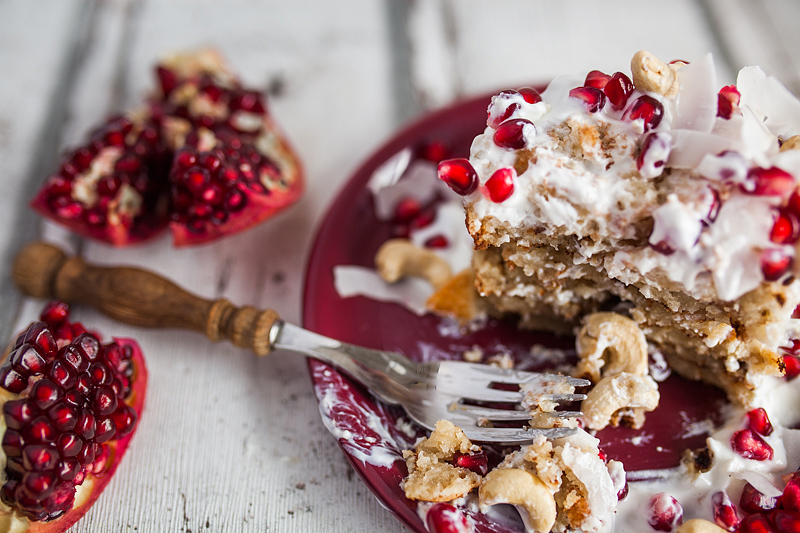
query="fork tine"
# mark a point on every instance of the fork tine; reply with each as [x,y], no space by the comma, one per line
[491,395]
[514,435]
[498,415]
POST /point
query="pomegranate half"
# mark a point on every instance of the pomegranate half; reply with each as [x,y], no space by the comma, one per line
[203,156]
[70,407]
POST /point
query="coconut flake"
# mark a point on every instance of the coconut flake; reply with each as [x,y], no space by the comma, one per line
[696,107]
[770,101]
[412,293]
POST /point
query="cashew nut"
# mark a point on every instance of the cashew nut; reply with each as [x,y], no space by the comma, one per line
[610,343]
[792,143]
[650,74]
[696,525]
[525,491]
[397,258]
[613,393]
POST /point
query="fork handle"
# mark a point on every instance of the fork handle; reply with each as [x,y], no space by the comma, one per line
[139,297]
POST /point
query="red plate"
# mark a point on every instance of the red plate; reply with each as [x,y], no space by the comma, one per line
[366,429]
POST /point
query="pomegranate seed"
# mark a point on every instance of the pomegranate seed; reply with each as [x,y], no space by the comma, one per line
[89,345]
[40,335]
[437,241]
[64,416]
[477,462]
[27,360]
[39,458]
[793,204]
[196,179]
[39,485]
[446,518]
[514,134]
[618,89]
[40,430]
[63,374]
[423,220]
[67,469]
[74,357]
[106,429]
[18,413]
[593,98]
[13,443]
[104,400]
[45,393]
[725,514]
[775,263]
[728,101]
[459,175]
[500,185]
[756,523]
[791,365]
[69,444]
[664,512]
[101,458]
[100,374]
[790,500]
[12,381]
[753,501]
[653,155]
[500,109]
[597,79]
[55,313]
[530,95]
[786,228]
[647,108]
[407,209]
[83,384]
[124,419]
[86,426]
[768,182]
[759,422]
[750,445]
[86,455]
[435,151]
[786,521]
[167,79]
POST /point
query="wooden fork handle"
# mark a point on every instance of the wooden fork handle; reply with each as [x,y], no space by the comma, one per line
[138,297]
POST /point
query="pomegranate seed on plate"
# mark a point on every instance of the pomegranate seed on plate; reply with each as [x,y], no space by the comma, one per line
[664,512]
[597,79]
[756,523]
[775,263]
[759,421]
[771,181]
[792,366]
[750,445]
[786,228]
[618,89]
[530,95]
[447,518]
[477,462]
[437,241]
[725,513]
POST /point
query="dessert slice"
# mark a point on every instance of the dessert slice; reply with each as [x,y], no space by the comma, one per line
[658,196]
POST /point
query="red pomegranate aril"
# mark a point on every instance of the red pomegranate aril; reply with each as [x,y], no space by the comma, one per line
[55,313]
[750,445]
[39,485]
[86,426]
[477,462]
[104,401]
[423,220]
[759,421]
[106,429]
[725,514]
[406,209]
[728,101]
[786,521]
[86,455]
[124,419]
[63,374]
[530,95]
[790,499]
[39,431]
[74,357]
[756,523]
[68,469]
[791,365]
[514,134]
[40,335]
[100,374]
[39,458]
[500,185]
[446,518]
[437,241]
[83,384]
[89,345]
[64,416]
[618,89]
[18,413]
[786,228]
[664,512]
[459,175]
[12,381]
[27,359]
[647,108]
[771,181]
[753,501]
[775,263]
[593,98]
[13,443]
[45,393]
[597,79]
[69,444]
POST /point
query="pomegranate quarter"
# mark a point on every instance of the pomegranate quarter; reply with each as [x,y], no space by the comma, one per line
[70,406]
[203,157]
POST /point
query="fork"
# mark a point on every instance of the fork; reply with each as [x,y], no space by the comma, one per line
[429,392]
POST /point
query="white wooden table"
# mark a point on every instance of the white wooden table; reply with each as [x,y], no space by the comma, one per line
[229,442]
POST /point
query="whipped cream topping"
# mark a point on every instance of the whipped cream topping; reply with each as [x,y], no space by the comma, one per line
[580,177]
